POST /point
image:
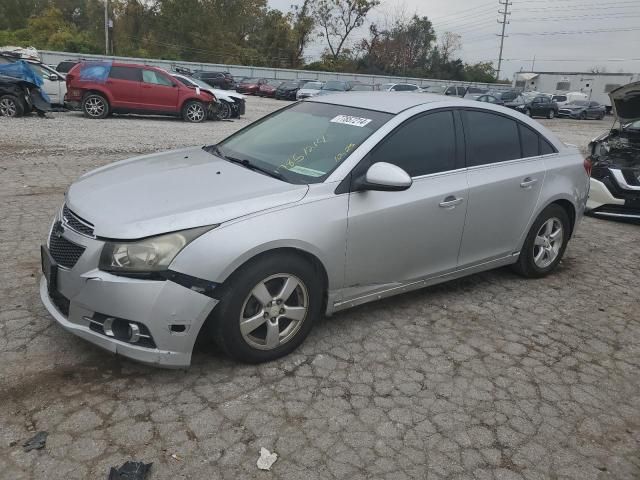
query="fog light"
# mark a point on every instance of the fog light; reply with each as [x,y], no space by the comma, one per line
[133,332]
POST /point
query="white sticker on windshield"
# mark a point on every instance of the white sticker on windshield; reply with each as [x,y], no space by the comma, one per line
[310,172]
[349,120]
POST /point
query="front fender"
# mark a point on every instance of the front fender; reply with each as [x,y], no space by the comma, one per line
[316,226]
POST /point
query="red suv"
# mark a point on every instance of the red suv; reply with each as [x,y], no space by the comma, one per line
[102,88]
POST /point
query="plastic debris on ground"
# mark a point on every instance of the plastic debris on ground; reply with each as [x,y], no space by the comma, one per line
[130,471]
[36,442]
[267,459]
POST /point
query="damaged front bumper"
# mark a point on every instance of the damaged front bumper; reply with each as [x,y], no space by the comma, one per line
[152,321]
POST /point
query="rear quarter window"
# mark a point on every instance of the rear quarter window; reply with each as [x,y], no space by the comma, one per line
[545,147]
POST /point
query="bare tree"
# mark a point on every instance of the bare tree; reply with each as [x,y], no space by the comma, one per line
[338,18]
[450,43]
[303,25]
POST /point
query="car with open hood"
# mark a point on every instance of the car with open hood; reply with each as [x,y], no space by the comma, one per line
[323,205]
[230,104]
[615,159]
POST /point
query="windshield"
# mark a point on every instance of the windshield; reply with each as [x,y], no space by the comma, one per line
[289,85]
[313,85]
[305,142]
[579,103]
[335,86]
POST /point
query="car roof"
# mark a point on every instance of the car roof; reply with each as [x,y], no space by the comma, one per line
[390,102]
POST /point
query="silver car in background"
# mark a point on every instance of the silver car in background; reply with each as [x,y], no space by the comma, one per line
[323,205]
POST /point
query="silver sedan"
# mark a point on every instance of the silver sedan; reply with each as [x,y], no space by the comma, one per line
[323,205]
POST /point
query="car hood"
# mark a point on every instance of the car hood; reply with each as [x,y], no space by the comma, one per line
[626,102]
[171,191]
[308,90]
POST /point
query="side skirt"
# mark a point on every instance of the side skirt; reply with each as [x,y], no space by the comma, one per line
[336,306]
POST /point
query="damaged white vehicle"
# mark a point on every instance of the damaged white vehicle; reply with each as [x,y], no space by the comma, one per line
[615,159]
[232,104]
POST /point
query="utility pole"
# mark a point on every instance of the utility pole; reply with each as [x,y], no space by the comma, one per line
[106,27]
[504,23]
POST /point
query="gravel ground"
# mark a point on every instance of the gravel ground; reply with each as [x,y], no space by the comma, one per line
[488,377]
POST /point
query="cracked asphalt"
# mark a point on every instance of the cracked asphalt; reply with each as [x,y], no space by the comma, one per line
[488,377]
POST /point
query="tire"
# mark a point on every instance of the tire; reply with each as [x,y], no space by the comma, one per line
[225,111]
[528,112]
[582,116]
[551,114]
[537,257]
[253,344]
[194,111]
[95,106]
[601,116]
[11,106]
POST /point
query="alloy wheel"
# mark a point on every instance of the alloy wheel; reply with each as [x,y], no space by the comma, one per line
[548,242]
[274,311]
[94,106]
[225,110]
[8,107]
[195,112]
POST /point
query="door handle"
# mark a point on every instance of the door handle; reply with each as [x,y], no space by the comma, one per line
[528,182]
[450,202]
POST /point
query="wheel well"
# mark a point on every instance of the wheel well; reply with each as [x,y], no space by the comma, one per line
[190,99]
[98,92]
[309,257]
[571,212]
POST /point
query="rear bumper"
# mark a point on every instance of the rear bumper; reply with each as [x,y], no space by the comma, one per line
[602,203]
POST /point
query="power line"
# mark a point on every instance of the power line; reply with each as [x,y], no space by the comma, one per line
[578,32]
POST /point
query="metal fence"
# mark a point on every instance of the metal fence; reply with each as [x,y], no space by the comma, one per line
[53,58]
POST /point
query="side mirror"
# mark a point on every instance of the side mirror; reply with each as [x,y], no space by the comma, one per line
[53,77]
[385,177]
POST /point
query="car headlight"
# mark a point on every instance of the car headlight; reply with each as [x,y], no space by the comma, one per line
[150,255]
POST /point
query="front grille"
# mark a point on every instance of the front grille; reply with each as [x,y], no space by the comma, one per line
[64,252]
[74,222]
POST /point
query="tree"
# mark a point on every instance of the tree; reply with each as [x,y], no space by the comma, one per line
[338,18]
[449,44]
[303,26]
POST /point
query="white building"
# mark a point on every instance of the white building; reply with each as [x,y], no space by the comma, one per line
[596,85]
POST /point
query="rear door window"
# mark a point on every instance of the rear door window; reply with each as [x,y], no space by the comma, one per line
[421,146]
[490,138]
[125,73]
[151,76]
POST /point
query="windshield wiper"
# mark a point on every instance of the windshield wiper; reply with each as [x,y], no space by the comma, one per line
[244,162]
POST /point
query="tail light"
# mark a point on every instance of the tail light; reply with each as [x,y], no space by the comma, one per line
[587,165]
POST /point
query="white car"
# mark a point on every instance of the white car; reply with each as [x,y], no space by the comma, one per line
[232,104]
[309,89]
[563,99]
[399,87]
[54,84]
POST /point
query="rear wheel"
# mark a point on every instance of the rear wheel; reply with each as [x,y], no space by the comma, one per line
[551,114]
[95,105]
[11,106]
[267,308]
[194,112]
[545,243]
[583,116]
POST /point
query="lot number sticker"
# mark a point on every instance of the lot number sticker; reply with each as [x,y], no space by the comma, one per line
[349,120]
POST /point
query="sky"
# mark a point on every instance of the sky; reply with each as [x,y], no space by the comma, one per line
[544,29]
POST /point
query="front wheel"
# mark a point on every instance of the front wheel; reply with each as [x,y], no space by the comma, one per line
[194,112]
[267,308]
[224,111]
[11,106]
[545,243]
[583,116]
[528,112]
